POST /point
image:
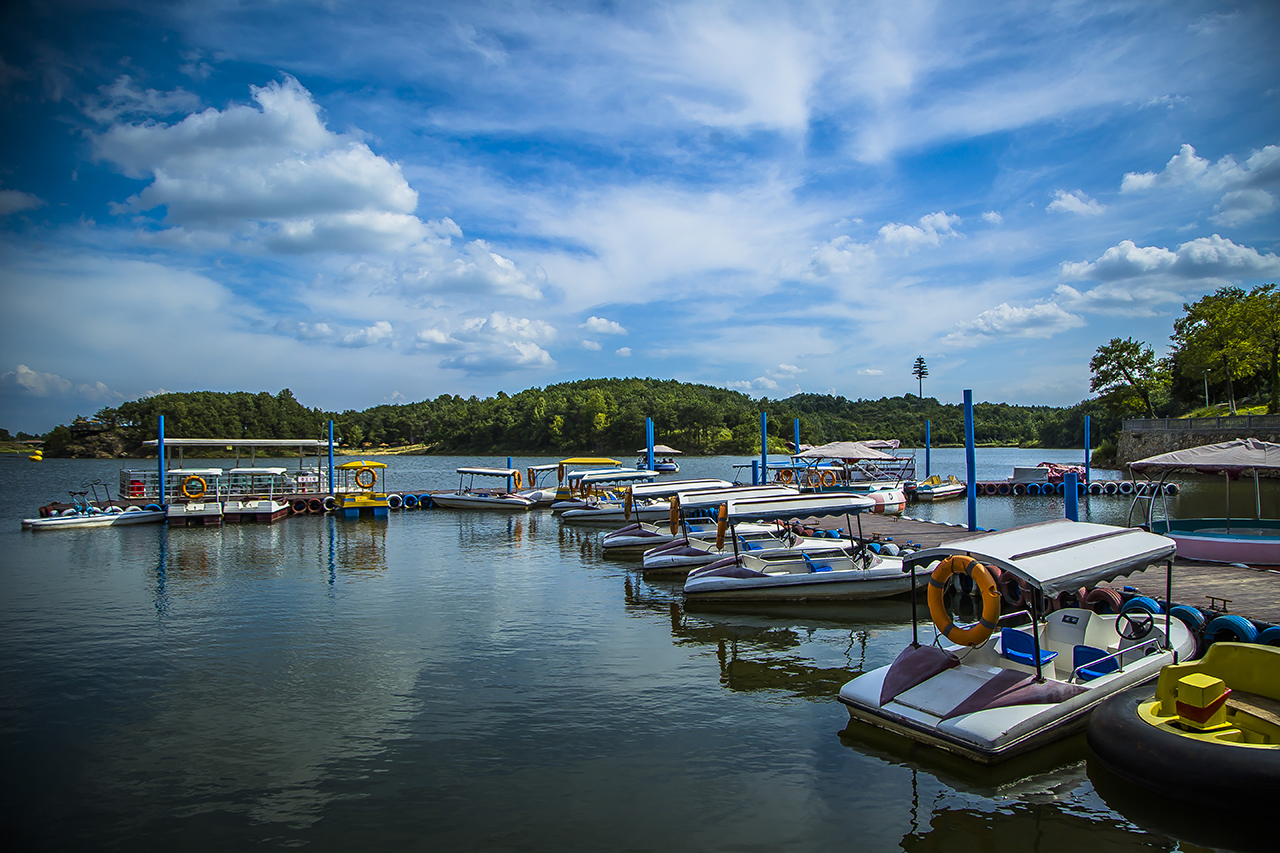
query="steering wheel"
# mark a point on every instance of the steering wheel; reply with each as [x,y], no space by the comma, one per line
[1136,624]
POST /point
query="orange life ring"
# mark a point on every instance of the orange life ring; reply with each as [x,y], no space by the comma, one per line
[584,489]
[786,475]
[532,479]
[559,474]
[828,479]
[516,479]
[959,564]
[373,477]
[721,522]
[674,516]
[204,487]
[626,506]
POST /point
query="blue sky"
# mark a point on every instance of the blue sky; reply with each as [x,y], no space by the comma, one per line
[383,202]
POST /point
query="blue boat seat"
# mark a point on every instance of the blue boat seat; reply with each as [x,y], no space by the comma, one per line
[749,546]
[1091,659]
[814,567]
[1019,647]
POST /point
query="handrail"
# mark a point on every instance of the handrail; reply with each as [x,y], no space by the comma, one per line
[1076,672]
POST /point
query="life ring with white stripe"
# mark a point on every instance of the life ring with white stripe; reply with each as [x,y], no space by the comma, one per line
[960,564]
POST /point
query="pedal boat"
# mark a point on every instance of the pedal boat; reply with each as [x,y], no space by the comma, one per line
[937,489]
[989,694]
[1208,735]
[832,573]
[468,497]
[644,501]
[80,518]
[646,535]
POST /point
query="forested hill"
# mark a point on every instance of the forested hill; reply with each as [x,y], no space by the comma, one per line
[603,415]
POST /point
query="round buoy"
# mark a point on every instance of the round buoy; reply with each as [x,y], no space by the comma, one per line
[1230,628]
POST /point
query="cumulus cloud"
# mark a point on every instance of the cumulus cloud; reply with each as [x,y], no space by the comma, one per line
[931,231]
[1043,320]
[592,346]
[870,371]
[601,326]
[37,384]
[839,256]
[993,217]
[1075,202]
[1138,280]
[497,343]
[12,201]
[625,352]
[760,383]
[122,97]
[324,333]
[1244,198]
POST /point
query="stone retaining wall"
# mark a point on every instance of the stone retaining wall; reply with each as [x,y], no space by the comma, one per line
[1139,444]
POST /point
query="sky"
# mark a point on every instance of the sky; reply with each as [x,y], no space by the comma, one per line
[379,202]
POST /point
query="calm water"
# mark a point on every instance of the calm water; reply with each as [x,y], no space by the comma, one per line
[448,680]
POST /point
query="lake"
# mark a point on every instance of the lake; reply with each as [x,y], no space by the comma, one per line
[472,680]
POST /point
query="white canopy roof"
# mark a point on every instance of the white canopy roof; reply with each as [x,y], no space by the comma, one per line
[238,442]
[661,450]
[1061,554]
[262,472]
[844,450]
[615,475]
[1243,454]
[667,488]
[195,472]
[705,498]
[799,506]
[489,472]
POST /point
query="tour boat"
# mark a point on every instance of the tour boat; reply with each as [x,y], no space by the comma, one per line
[81,517]
[197,497]
[936,489]
[468,497]
[1209,734]
[1251,541]
[990,694]
[842,571]
[361,489]
[666,465]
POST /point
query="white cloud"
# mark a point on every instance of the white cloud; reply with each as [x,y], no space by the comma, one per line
[624,352]
[789,370]
[122,97]
[993,217]
[497,343]
[11,201]
[840,256]
[1075,202]
[593,346]
[324,333]
[932,229]
[870,371]
[38,384]
[1013,321]
[1243,199]
[760,383]
[601,326]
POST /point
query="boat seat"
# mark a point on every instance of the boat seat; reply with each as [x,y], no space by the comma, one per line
[814,567]
[1091,658]
[748,546]
[1018,647]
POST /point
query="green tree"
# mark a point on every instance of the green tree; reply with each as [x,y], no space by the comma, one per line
[1125,369]
[920,371]
[1214,336]
[1262,308]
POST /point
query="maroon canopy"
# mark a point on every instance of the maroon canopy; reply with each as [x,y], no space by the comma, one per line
[1243,454]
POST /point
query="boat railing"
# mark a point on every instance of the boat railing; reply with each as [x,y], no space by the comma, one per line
[1117,656]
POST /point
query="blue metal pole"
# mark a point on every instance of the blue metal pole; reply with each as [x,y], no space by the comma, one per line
[755,472]
[508,476]
[1087,473]
[1071,491]
[160,454]
[331,491]
[797,435]
[648,437]
[764,446]
[970,461]
[927,436]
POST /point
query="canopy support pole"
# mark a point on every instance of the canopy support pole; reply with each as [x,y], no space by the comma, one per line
[1168,605]
[915,640]
[1035,634]
[1226,477]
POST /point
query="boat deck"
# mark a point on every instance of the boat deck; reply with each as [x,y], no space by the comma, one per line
[1252,593]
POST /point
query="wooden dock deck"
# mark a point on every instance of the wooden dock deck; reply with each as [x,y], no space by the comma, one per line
[1251,593]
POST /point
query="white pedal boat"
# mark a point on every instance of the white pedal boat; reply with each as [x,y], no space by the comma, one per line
[990,694]
[468,497]
[645,502]
[115,517]
[645,535]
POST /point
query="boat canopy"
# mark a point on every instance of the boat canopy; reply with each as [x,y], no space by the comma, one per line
[844,450]
[1233,457]
[489,472]
[667,488]
[237,442]
[661,450]
[195,472]
[616,475]
[800,506]
[258,472]
[707,498]
[346,465]
[588,460]
[1059,555]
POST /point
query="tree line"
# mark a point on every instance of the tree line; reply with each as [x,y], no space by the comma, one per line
[595,415]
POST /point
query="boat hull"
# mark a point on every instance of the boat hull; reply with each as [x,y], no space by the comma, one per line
[109,519]
[939,493]
[818,586]
[505,502]
[1249,541]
